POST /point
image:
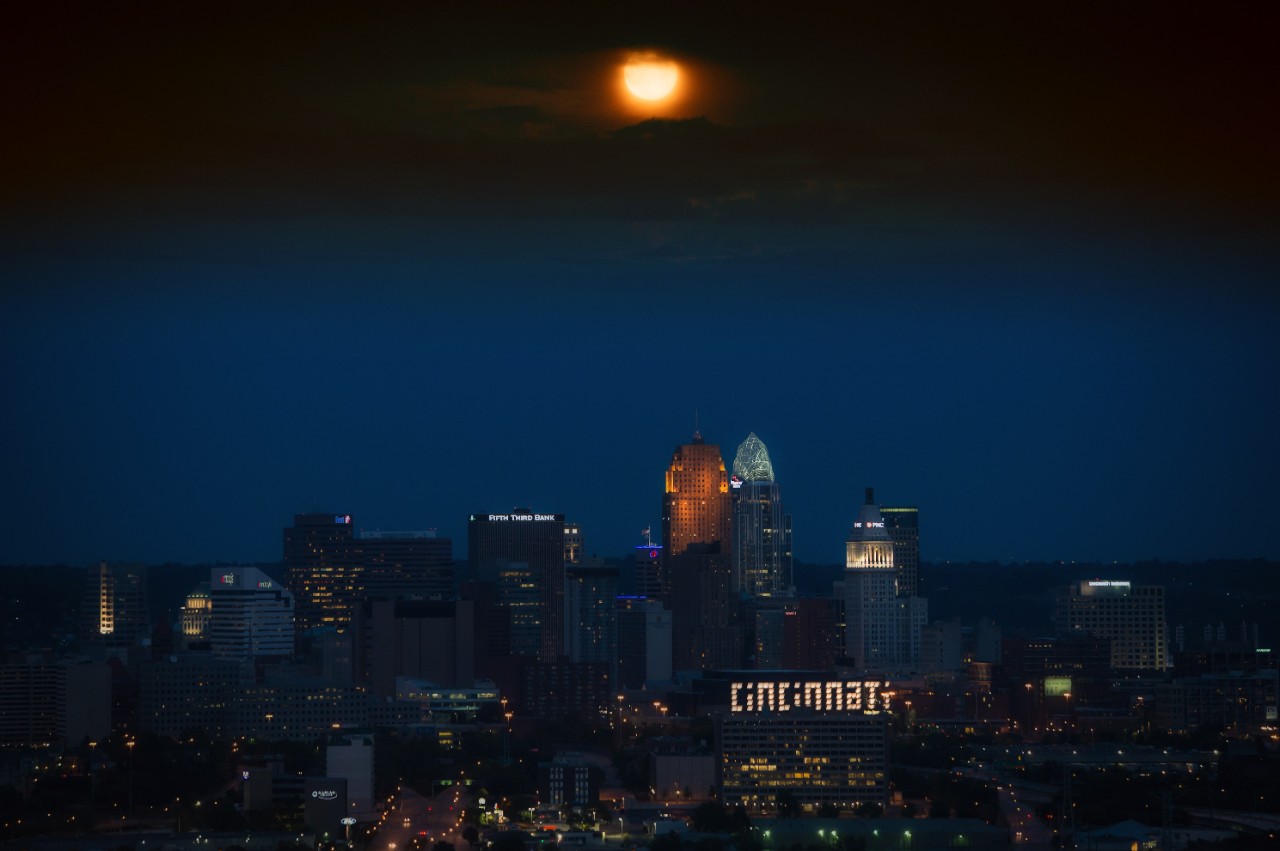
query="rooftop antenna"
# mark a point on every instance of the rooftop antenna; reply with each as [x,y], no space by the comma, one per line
[697,432]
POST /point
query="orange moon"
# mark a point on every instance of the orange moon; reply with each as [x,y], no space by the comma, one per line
[651,79]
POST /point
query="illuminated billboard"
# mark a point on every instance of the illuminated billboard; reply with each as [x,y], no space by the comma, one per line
[1057,686]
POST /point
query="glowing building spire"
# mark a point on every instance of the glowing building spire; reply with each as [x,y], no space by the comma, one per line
[752,463]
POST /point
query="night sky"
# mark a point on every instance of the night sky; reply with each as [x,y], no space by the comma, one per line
[1015,265]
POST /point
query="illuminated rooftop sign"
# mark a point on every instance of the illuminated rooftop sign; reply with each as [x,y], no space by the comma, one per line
[342,519]
[866,697]
[870,524]
[516,518]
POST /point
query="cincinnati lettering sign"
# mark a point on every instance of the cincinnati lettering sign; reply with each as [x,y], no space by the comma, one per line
[854,696]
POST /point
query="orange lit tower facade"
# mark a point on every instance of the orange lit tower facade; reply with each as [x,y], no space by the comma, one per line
[697,519]
[696,507]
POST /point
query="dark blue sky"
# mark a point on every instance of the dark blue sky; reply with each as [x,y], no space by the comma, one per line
[1028,287]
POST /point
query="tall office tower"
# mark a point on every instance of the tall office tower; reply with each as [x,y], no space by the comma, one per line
[705,624]
[533,539]
[903,525]
[414,564]
[113,614]
[651,574]
[882,632]
[591,616]
[644,642]
[761,529]
[1132,616]
[696,506]
[572,543]
[325,582]
[251,616]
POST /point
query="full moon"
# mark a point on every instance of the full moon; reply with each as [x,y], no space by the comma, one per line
[650,79]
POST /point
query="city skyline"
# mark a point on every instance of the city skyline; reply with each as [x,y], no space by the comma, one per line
[1012,266]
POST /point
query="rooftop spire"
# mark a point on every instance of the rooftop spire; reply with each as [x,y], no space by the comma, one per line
[752,463]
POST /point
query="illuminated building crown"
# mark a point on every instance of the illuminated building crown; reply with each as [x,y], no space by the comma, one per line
[752,463]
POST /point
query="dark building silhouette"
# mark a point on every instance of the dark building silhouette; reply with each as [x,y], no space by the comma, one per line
[902,523]
[331,568]
[644,642]
[46,703]
[794,634]
[425,639]
[651,574]
[591,622]
[705,626]
[413,564]
[563,689]
[498,542]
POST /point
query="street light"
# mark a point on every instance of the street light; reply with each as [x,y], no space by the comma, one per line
[129,744]
[93,750]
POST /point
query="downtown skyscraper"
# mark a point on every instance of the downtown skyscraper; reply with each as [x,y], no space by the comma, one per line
[762,558]
[697,529]
[882,626]
[523,552]
[696,506]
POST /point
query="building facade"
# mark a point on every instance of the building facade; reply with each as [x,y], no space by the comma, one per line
[591,622]
[330,568]
[535,540]
[644,642]
[819,739]
[1132,616]
[113,613]
[324,580]
[696,506]
[882,626]
[250,615]
[902,523]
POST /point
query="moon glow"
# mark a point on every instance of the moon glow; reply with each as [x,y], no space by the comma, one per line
[651,79]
